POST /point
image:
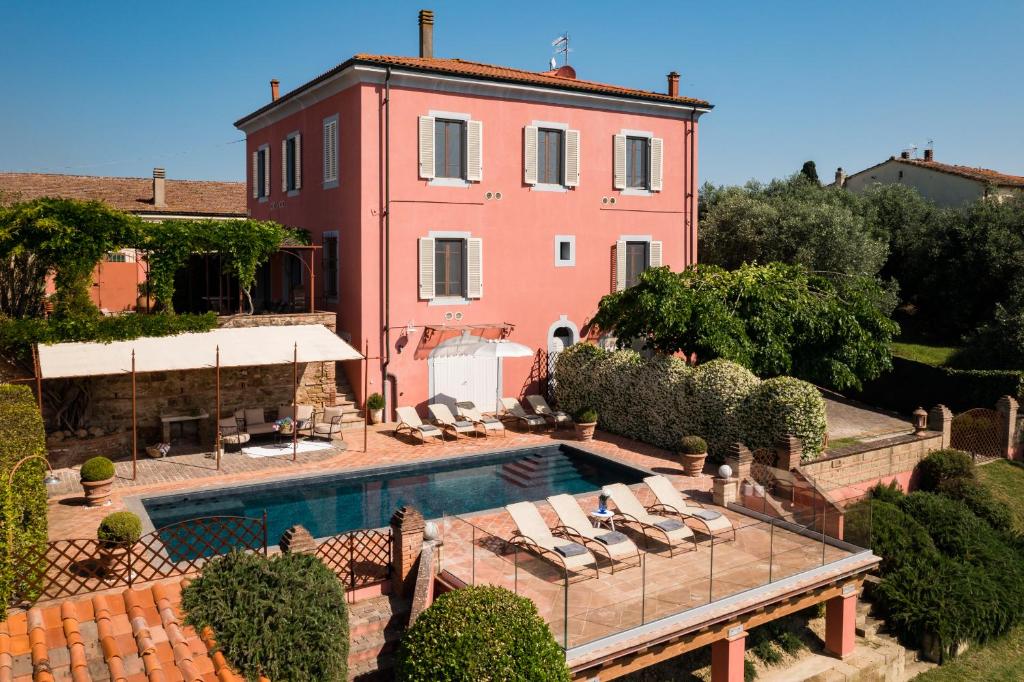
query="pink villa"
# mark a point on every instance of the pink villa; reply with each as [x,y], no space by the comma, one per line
[455,198]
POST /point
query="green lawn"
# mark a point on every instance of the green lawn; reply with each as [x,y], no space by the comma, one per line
[930,355]
[1003,659]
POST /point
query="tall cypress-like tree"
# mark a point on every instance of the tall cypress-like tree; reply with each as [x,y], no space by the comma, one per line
[810,171]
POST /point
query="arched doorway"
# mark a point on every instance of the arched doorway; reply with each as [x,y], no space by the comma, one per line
[561,335]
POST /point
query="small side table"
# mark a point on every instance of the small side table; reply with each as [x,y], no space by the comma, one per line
[604,519]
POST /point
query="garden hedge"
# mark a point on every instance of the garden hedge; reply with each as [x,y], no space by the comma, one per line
[24,508]
[284,618]
[913,384]
[480,633]
[661,399]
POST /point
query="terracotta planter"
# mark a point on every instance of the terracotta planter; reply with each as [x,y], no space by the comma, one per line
[97,493]
[585,431]
[377,416]
[114,562]
[693,465]
[145,304]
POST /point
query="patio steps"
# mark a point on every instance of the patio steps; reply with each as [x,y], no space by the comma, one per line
[538,472]
[352,416]
[375,627]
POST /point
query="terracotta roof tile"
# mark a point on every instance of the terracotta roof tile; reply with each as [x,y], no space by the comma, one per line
[132,195]
[138,635]
[980,174]
[461,67]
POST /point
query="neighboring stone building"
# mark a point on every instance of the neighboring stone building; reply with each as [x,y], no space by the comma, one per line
[945,184]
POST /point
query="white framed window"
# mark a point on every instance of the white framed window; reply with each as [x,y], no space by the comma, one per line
[291,164]
[330,149]
[450,149]
[551,156]
[261,173]
[450,268]
[638,162]
[565,250]
[633,255]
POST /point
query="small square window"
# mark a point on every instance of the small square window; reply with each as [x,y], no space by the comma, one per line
[565,251]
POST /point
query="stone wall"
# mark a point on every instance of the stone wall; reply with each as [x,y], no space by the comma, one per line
[71,451]
[329,320]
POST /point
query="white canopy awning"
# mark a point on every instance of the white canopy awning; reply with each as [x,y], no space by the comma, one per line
[239,347]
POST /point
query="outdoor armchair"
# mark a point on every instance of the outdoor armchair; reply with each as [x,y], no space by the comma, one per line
[576,526]
[513,410]
[230,434]
[540,406]
[673,502]
[409,421]
[534,536]
[444,418]
[468,410]
[632,513]
[328,423]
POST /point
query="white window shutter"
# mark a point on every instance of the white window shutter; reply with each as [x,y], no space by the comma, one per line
[427,147]
[255,175]
[284,165]
[474,268]
[298,161]
[331,151]
[656,163]
[620,265]
[427,289]
[654,255]
[475,151]
[266,169]
[530,155]
[619,161]
[572,158]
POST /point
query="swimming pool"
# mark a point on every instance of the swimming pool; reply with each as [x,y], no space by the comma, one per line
[336,503]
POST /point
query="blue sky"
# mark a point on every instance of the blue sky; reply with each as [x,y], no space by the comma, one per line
[115,88]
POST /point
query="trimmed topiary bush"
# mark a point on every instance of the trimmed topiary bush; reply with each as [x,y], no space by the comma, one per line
[120,528]
[97,469]
[943,465]
[692,445]
[719,389]
[585,416]
[24,509]
[785,406]
[284,617]
[480,633]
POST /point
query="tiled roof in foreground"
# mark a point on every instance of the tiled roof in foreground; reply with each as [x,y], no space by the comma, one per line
[131,635]
[979,174]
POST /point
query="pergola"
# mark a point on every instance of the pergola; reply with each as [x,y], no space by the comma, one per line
[226,347]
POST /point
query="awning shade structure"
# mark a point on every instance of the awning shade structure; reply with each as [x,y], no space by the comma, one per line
[239,347]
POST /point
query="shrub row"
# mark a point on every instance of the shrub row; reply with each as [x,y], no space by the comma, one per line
[913,384]
[661,399]
[23,510]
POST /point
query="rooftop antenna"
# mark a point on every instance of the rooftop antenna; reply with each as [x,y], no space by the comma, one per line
[561,45]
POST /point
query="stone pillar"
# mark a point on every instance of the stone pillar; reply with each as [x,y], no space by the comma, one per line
[789,450]
[1007,407]
[297,540]
[725,490]
[841,622]
[406,544]
[727,657]
[739,457]
[941,419]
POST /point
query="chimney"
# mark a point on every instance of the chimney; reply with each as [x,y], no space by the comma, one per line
[275,90]
[904,155]
[673,84]
[840,177]
[426,33]
[159,187]
[929,154]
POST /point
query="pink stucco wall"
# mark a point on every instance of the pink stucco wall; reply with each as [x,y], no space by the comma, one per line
[521,284]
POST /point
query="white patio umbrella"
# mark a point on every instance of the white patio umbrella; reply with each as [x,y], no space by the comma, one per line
[500,348]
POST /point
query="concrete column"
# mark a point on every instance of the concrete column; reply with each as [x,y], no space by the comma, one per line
[739,458]
[1007,407]
[727,658]
[406,544]
[841,622]
[789,450]
[941,419]
[725,490]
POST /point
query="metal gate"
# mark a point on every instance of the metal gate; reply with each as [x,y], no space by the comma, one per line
[980,432]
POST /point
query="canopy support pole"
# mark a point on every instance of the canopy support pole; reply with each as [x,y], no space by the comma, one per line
[366,387]
[216,419]
[39,376]
[312,281]
[135,424]
[295,401]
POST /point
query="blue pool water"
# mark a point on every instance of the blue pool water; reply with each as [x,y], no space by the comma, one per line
[327,505]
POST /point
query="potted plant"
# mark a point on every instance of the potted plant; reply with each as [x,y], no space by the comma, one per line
[586,422]
[146,301]
[117,532]
[693,450]
[375,405]
[97,481]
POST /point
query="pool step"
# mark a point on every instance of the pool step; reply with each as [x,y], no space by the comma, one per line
[539,471]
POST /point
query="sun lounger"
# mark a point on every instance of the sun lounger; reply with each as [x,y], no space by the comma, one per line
[513,410]
[673,502]
[409,421]
[632,513]
[576,526]
[533,535]
[541,407]
[444,418]
[468,410]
